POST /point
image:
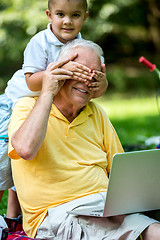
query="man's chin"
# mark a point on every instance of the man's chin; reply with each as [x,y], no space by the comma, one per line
[81,102]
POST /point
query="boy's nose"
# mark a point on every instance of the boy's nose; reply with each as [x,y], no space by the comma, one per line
[67,20]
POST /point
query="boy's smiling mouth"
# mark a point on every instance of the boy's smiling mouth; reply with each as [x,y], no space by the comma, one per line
[67,29]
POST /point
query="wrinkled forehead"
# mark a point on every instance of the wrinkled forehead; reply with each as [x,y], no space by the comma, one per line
[88,57]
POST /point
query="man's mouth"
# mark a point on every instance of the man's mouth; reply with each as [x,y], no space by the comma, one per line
[81,90]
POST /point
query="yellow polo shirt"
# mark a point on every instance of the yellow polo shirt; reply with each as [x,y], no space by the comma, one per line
[70,164]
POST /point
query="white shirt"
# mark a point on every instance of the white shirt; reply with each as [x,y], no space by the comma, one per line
[42,49]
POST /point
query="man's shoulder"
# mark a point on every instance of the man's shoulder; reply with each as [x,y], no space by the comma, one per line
[98,112]
[96,107]
[25,103]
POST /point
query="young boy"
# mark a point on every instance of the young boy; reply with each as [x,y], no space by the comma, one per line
[66,19]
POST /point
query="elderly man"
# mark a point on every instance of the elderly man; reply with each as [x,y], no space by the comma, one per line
[61,146]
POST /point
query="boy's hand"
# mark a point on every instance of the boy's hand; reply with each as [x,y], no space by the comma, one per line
[100,84]
[80,72]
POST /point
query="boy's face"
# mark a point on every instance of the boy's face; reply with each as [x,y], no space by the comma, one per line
[67,18]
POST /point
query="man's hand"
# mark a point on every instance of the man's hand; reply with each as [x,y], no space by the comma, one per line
[55,76]
[100,84]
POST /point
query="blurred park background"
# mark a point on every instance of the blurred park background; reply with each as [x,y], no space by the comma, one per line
[126,30]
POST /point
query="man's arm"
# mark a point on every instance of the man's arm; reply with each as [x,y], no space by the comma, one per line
[28,139]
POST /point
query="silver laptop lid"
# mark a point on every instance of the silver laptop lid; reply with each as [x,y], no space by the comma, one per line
[134,183]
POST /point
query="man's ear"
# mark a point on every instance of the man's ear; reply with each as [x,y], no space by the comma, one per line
[48,13]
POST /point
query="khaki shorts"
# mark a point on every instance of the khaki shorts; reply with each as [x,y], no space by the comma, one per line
[59,225]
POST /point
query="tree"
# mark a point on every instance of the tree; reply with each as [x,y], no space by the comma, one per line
[19,21]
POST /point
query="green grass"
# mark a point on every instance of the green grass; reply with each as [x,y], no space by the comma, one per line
[3,204]
[135,120]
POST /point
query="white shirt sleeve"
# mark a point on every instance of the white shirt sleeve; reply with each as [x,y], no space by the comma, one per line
[35,55]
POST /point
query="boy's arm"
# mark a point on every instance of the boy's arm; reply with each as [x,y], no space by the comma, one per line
[80,73]
[100,84]
[34,80]
[35,62]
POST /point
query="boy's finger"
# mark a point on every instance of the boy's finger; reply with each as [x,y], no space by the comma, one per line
[73,56]
[61,77]
[93,84]
[93,88]
[80,72]
[58,64]
[81,67]
[62,71]
[103,68]
[83,76]
[98,75]
[74,77]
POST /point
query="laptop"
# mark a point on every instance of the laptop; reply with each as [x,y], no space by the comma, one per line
[134,185]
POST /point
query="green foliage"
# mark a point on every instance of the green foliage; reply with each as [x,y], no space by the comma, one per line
[19,21]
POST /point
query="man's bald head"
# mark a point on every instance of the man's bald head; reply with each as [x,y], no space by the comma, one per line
[72,46]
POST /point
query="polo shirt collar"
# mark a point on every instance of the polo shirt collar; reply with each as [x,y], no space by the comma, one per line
[52,39]
[81,118]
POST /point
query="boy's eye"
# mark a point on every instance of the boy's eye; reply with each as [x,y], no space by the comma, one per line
[60,14]
[76,15]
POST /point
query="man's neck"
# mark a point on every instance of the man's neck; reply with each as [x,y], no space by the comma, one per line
[70,112]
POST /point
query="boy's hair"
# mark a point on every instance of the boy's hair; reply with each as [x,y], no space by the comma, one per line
[66,49]
[51,2]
